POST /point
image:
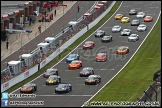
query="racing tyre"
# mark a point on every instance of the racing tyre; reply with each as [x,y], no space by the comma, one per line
[35,88]
[66,91]
[85,83]
[59,80]
[56,83]
[55,91]
[46,83]
[106,59]
[96,82]
[70,88]
[100,79]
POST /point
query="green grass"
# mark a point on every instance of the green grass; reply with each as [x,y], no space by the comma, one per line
[65,52]
[138,74]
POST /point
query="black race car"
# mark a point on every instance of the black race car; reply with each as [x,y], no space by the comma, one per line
[100,33]
[107,38]
[63,88]
[93,79]
[86,71]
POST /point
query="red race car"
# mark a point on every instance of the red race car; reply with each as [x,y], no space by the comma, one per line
[148,19]
[101,57]
[88,45]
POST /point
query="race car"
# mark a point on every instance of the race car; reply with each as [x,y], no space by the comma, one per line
[133,12]
[125,20]
[88,45]
[107,38]
[148,19]
[135,22]
[53,79]
[100,33]
[63,88]
[72,57]
[93,79]
[140,15]
[86,71]
[122,50]
[116,28]
[118,17]
[101,57]
[75,64]
[142,27]
[133,37]
[126,32]
[50,71]
[28,88]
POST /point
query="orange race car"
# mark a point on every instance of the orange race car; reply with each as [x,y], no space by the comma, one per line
[28,88]
[118,16]
[122,50]
[75,64]
[148,19]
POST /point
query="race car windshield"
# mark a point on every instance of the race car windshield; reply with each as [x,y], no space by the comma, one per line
[116,26]
[71,56]
[133,35]
[147,17]
[100,54]
[74,62]
[99,31]
[105,37]
[124,18]
[118,14]
[140,13]
[61,86]
[26,86]
[141,26]
[90,78]
[48,71]
[126,30]
[135,21]
[132,10]
[85,69]
[121,48]
[88,42]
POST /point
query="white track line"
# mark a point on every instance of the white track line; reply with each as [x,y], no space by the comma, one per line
[126,63]
[61,95]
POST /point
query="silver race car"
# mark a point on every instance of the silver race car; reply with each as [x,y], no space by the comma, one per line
[135,22]
[126,32]
[116,28]
[107,38]
[133,12]
[93,79]
[100,33]
[133,37]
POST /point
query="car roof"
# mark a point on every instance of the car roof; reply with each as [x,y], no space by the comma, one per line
[125,29]
[116,26]
[135,20]
[122,46]
[106,36]
[93,76]
[147,16]
[142,25]
[125,17]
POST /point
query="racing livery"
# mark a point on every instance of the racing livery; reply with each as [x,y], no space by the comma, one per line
[53,80]
[86,71]
[28,88]
[63,88]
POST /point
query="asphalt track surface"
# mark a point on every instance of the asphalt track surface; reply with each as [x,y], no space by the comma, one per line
[81,93]
[70,15]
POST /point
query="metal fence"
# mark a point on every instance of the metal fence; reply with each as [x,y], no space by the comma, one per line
[151,93]
[44,49]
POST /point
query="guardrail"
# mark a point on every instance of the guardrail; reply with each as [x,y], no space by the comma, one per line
[54,54]
[151,92]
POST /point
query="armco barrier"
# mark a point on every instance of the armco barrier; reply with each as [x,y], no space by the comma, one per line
[19,78]
[33,70]
[92,24]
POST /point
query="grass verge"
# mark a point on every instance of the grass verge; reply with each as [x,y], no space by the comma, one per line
[138,74]
[66,51]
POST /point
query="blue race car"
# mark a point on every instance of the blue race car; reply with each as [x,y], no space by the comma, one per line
[72,57]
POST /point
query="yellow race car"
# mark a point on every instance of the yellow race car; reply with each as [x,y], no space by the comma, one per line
[118,17]
[125,20]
